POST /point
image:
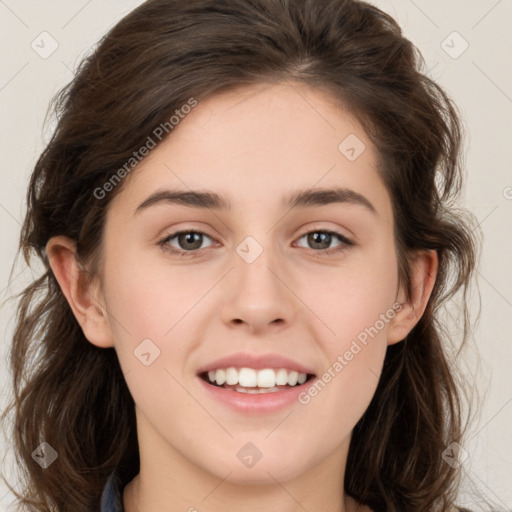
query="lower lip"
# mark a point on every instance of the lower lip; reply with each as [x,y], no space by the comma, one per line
[255,403]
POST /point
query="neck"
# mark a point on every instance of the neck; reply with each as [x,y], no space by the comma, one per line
[319,490]
[242,498]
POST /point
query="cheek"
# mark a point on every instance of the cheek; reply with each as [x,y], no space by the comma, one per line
[352,298]
[148,298]
[355,306]
[354,358]
[343,392]
[156,303]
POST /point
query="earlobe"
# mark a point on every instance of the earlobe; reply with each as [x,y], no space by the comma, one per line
[423,277]
[83,296]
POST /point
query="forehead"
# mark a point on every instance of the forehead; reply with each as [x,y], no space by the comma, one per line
[258,144]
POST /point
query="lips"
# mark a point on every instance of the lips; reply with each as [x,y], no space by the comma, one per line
[253,401]
[255,382]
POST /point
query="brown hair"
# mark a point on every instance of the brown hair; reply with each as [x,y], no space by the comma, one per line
[72,394]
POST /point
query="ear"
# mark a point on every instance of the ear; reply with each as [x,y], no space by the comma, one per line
[84,297]
[423,277]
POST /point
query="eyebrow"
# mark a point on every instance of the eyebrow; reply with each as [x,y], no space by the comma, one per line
[298,199]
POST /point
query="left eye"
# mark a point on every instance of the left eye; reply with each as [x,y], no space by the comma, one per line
[324,238]
[190,242]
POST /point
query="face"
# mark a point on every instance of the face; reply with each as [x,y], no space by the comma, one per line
[308,287]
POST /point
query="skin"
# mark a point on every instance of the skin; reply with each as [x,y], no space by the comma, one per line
[253,146]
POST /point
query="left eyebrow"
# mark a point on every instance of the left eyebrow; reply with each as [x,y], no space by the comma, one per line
[299,199]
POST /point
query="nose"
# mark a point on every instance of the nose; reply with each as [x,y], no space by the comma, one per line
[260,300]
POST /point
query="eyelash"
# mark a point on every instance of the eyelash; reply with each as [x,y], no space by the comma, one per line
[346,243]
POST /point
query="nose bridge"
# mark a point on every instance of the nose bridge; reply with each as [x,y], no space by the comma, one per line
[256,266]
[259,297]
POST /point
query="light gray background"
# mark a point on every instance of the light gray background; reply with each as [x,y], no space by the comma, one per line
[479,80]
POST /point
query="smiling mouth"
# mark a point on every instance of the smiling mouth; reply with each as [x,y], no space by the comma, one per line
[267,384]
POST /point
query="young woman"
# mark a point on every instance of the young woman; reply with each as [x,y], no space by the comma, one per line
[245,218]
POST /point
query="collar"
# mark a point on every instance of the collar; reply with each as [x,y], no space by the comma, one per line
[111,498]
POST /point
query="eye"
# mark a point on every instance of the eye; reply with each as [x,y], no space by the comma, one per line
[321,240]
[190,242]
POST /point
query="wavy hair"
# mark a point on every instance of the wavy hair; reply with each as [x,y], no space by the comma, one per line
[72,394]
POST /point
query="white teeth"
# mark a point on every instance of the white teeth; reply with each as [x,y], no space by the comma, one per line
[220,377]
[292,378]
[247,378]
[256,391]
[282,377]
[267,378]
[302,378]
[231,376]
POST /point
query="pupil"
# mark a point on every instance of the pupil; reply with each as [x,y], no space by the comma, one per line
[184,237]
[315,236]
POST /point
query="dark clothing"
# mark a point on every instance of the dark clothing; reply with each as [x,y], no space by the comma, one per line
[111,499]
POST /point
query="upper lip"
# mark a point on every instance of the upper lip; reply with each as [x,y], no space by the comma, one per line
[256,361]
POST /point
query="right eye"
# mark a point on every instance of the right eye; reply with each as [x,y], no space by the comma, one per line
[183,238]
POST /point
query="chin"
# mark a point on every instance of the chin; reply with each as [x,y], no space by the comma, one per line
[263,472]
